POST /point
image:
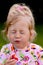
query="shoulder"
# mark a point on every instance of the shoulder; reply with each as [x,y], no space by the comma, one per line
[6,47]
[36,46]
[38,50]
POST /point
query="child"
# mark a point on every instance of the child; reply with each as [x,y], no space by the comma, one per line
[20,30]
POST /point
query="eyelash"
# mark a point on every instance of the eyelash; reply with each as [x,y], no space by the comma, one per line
[13,32]
[21,32]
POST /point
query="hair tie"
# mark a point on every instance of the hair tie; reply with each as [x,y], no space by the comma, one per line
[19,8]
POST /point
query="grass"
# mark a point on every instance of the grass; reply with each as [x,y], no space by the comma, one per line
[39,40]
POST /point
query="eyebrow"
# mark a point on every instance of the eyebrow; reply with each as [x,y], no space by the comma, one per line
[15,30]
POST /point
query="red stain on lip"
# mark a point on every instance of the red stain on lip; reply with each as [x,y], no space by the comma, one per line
[17,41]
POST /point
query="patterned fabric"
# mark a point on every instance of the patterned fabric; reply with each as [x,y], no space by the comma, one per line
[33,55]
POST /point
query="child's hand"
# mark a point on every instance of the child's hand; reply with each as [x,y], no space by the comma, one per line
[1,64]
[10,62]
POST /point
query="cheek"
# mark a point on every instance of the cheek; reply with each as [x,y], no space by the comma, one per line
[10,37]
[25,38]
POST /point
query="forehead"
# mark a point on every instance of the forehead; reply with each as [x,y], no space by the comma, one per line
[21,22]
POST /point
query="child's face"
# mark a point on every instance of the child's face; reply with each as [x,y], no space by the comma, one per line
[18,33]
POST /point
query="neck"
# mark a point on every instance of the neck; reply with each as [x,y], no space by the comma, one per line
[22,48]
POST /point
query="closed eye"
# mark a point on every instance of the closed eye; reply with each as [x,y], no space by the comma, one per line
[13,31]
[21,32]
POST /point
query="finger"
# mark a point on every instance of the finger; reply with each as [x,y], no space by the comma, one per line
[1,64]
[11,60]
[11,63]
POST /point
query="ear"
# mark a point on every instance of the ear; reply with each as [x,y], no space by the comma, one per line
[32,35]
[7,35]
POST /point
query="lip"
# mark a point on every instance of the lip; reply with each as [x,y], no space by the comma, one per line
[17,41]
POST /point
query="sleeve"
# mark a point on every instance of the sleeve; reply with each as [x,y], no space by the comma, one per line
[4,54]
[40,55]
[3,48]
[2,58]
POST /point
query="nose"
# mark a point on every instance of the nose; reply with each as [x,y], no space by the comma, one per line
[17,35]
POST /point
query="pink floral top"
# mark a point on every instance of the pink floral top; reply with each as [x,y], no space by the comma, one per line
[33,55]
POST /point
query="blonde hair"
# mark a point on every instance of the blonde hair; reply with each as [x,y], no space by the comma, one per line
[21,10]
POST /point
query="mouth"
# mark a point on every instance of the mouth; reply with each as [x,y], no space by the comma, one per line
[17,41]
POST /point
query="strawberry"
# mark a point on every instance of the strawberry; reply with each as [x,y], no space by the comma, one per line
[14,57]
